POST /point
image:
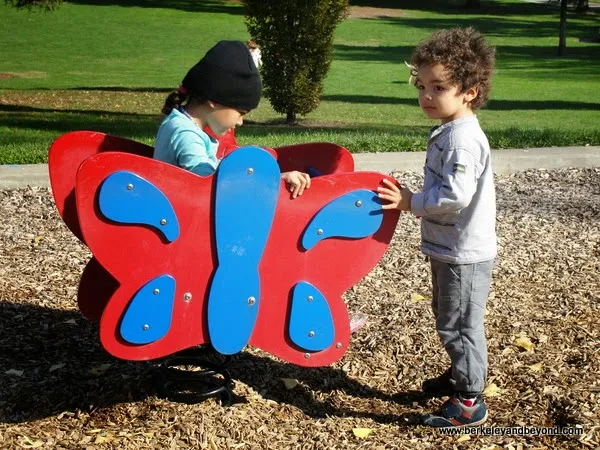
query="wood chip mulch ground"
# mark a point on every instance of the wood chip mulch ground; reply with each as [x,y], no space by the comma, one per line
[60,390]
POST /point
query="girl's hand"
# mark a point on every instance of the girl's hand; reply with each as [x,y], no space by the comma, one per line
[296,182]
[399,197]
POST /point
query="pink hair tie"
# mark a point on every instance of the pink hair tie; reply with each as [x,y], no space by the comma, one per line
[182,90]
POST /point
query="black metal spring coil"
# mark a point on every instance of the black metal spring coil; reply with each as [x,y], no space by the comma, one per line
[194,375]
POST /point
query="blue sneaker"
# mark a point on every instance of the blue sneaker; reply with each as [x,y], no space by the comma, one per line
[456,414]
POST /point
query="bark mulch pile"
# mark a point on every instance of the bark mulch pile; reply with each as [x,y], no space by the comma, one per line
[59,389]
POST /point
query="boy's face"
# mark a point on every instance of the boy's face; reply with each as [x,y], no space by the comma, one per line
[439,98]
[223,118]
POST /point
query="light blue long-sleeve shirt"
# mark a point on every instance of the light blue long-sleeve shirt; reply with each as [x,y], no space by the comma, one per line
[181,142]
[458,203]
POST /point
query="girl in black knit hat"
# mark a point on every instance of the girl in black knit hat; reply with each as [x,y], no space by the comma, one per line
[216,93]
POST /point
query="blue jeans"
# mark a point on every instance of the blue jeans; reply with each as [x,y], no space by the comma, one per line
[460,293]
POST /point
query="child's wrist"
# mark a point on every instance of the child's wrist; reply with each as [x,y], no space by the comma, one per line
[408,203]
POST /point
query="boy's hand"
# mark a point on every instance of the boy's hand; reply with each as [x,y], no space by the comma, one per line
[399,197]
[296,182]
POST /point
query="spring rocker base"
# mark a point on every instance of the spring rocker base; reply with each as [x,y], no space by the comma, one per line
[194,375]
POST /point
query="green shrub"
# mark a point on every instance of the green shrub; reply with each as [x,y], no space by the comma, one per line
[295,38]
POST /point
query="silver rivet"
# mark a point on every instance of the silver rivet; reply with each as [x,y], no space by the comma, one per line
[310,298]
[251,300]
[307,355]
[358,203]
[187,296]
[311,333]
[163,221]
[129,187]
[156,291]
[320,231]
[146,327]
[338,345]
[250,171]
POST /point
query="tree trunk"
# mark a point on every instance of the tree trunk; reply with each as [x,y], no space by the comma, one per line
[562,34]
[472,3]
[291,118]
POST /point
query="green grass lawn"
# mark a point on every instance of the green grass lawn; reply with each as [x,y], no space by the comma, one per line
[106,65]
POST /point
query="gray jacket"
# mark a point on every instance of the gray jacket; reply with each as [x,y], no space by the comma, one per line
[458,203]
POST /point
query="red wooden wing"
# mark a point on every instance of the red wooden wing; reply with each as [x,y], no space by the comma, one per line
[333,266]
[66,155]
[134,254]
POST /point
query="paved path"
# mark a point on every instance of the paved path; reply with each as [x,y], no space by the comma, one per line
[504,162]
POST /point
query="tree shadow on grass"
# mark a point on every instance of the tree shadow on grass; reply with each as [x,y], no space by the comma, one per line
[99,88]
[536,64]
[127,124]
[52,362]
[458,6]
[84,112]
[63,121]
[195,6]
[120,89]
[493,105]
[540,58]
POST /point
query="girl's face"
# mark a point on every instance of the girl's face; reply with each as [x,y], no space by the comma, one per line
[221,118]
[440,99]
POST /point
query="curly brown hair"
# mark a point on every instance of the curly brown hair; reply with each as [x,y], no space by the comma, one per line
[467,57]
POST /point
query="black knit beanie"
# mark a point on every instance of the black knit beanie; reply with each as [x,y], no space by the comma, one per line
[226,75]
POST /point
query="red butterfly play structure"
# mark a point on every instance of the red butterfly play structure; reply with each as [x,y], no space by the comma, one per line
[226,261]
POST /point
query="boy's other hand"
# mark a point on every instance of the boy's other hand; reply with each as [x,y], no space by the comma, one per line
[398,196]
[296,182]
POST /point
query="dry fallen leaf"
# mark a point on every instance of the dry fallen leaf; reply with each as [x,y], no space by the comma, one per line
[99,369]
[15,372]
[289,383]
[418,298]
[524,343]
[56,367]
[491,390]
[362,433]
[102,438]
[536,367]
[28,443]
[463,438]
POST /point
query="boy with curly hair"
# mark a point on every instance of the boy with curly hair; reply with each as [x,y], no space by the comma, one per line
[452,71]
